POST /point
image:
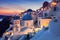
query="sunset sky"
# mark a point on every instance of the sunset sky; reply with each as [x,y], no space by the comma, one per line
[17,6]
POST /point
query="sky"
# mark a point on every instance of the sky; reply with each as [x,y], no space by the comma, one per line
[17,6]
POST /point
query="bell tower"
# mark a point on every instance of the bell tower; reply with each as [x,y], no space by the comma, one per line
[16,24]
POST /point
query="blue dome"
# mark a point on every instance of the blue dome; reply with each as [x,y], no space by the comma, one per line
[29,10]
[27,17]
[16,17]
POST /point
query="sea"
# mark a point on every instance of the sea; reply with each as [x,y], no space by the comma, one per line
[1,19]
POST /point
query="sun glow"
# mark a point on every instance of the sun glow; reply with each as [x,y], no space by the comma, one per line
[10,11]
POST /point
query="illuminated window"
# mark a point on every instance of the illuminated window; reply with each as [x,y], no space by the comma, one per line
[53,3]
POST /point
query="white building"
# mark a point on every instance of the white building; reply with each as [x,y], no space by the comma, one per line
[53,31]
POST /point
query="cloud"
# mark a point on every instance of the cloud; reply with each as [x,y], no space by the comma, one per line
[2,8]
[11,9]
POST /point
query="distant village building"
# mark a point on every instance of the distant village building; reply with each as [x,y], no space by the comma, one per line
[56,0]
[55,8]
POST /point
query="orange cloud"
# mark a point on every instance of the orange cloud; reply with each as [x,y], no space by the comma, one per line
[11,10]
